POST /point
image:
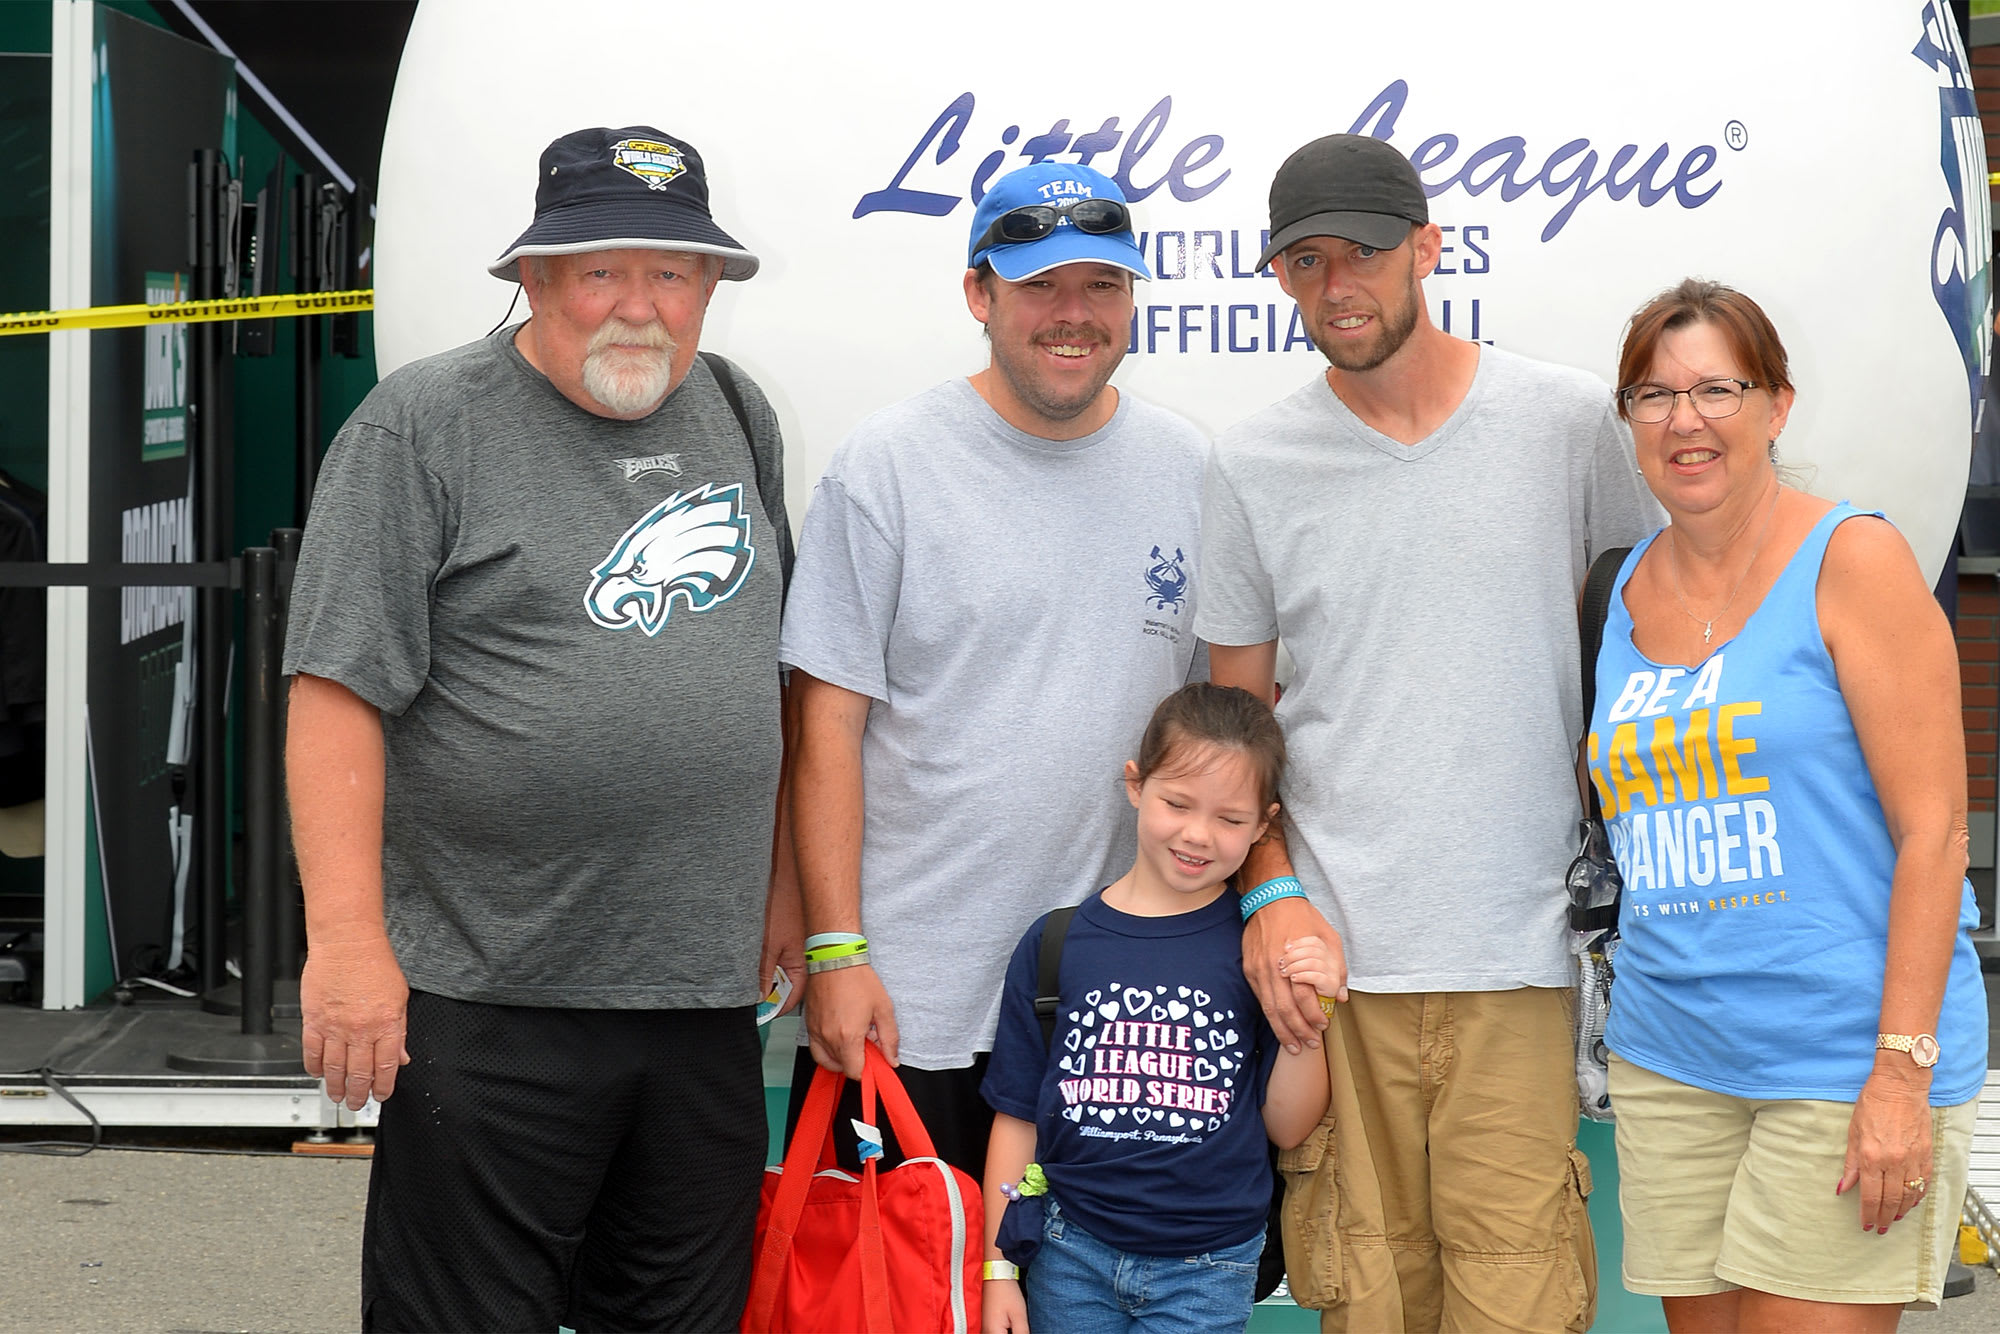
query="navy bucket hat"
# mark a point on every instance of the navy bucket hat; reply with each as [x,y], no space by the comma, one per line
[630,189]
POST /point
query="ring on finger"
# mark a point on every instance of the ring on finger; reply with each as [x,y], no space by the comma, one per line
[1914,1184]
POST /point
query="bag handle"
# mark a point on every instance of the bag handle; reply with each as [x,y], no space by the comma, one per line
[814,1129]
[874,1258]
[812,1142]
[911,1137]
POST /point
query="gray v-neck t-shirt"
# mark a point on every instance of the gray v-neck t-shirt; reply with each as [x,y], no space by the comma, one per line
[1427,596]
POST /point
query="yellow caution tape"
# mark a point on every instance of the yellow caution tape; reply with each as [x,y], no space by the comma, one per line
[190,312]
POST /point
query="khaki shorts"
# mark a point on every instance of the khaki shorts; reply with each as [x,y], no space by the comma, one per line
[1444,1190]
[1720,1192]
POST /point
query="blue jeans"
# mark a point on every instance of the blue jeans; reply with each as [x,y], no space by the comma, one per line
[1079,1285]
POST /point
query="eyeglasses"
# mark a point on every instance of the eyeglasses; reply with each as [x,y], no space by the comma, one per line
[1032,222]
[1713,399]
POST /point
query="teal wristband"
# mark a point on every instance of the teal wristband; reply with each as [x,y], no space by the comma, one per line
[833,938]
[1281,887]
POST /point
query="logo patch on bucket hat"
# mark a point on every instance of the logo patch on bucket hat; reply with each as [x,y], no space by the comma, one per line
[651,160]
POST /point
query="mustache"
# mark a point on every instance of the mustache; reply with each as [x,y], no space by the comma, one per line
[617,331]
[1074,334]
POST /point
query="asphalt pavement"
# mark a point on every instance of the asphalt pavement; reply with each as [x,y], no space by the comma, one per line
[121,1242]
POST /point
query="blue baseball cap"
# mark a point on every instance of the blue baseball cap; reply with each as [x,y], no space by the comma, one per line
[1054,183]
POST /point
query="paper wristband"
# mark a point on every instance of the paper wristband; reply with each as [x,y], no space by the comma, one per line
[817,966]
[1000,1269]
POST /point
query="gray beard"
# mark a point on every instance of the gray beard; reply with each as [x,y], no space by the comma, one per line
[635,386]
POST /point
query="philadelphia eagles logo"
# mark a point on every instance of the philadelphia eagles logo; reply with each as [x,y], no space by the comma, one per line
[694,545]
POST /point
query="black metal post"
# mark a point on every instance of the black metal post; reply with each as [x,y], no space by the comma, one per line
[307,275]
[211,526]
[262,802]
[256,1050]
[291,912]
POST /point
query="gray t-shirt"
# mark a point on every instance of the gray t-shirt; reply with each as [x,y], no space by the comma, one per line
[1015,607]
[1427,595]
[570,625]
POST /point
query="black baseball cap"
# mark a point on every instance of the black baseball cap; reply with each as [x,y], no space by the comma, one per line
[1353,186]
[632,189]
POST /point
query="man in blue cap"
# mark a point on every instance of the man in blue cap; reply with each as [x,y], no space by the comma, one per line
[534,756]
[996,584]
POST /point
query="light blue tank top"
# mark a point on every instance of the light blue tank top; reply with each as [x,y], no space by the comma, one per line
[1756,861]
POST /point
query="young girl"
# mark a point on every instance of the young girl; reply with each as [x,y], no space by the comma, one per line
[1141,1117]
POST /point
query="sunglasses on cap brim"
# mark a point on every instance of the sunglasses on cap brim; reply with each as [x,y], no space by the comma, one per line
[1032,222]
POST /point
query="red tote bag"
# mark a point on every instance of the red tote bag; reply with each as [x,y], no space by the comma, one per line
[889,1252]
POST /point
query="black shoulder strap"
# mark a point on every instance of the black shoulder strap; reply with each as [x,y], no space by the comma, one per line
[1048,973]
[1591,614]
[770,470]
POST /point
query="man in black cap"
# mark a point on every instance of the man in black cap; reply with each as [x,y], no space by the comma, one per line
[535,754]
[1416,523]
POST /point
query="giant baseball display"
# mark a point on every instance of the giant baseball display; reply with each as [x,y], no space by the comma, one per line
[1827,159]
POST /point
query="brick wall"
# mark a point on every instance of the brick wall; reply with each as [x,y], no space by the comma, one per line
[1979,676]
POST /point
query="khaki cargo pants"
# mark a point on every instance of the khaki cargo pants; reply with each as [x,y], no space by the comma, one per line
[1444,1189]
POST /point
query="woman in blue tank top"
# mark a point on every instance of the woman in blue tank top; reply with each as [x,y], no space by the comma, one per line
[1799,1027]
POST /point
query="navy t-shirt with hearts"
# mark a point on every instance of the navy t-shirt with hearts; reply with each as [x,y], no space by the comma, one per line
[1148,1104]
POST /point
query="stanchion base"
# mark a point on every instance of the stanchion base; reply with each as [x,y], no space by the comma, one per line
[228,998]
[241,1054]
[345,1148]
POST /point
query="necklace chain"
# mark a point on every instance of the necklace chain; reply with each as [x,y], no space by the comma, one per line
[1673,563]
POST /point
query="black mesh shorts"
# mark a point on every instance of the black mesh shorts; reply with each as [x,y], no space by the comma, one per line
[591,1168]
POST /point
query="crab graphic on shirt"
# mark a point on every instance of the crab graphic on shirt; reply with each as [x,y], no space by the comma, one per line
[694,545]
[1167,580]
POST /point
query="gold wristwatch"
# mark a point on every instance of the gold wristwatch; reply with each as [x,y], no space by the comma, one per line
[1923,1048]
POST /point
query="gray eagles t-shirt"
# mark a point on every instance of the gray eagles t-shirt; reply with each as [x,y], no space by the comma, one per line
[570,625]
[1016,608]
[1427,594]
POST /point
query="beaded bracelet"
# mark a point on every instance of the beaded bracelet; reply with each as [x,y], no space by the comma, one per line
[816,966]
[1281,887]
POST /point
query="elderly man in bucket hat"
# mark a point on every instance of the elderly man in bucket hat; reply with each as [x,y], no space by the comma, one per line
[535,758]
[997,582]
